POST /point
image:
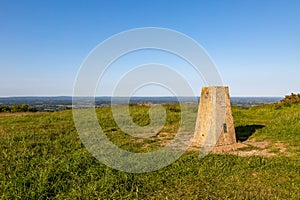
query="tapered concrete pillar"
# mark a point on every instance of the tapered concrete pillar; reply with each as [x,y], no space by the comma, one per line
[214,125]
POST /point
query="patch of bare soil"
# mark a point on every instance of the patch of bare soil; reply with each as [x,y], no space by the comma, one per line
[253,148]
[246,148]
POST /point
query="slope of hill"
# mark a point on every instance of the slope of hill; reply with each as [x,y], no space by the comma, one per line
[43,157]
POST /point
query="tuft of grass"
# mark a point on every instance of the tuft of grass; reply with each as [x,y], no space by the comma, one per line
[274,150]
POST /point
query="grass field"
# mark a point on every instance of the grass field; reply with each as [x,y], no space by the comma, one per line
[42,157]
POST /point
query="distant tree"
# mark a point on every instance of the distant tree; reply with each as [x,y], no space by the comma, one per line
[23,108]
[32,109]
[4,108]
[14,108]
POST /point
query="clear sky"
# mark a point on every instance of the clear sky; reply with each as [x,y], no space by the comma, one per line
[255,44]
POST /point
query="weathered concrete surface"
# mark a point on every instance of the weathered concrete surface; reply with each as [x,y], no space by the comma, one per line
[214,126]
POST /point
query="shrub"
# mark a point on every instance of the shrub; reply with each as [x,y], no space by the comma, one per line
[17,108]
[4,108]
[291,99]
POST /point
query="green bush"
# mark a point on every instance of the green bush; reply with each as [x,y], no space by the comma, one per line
[4,109]
[291,99]
[17,108]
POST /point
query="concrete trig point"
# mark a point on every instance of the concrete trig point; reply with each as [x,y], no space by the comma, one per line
[214,126]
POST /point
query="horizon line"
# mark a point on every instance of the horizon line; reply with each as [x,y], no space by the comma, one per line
[106,96]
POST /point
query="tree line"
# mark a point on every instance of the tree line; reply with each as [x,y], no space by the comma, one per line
[17,108]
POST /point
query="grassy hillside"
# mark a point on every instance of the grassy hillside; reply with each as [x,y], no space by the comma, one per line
[42,157]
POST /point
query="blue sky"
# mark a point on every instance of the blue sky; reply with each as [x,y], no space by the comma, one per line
[254,44]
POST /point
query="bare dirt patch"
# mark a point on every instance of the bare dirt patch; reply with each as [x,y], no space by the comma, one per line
[246,148]
[253,148]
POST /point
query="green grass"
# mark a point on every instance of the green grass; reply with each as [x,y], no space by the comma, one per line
[280,123]
[41,157]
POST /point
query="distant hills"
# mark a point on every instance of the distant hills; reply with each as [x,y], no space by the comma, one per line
[64,102]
